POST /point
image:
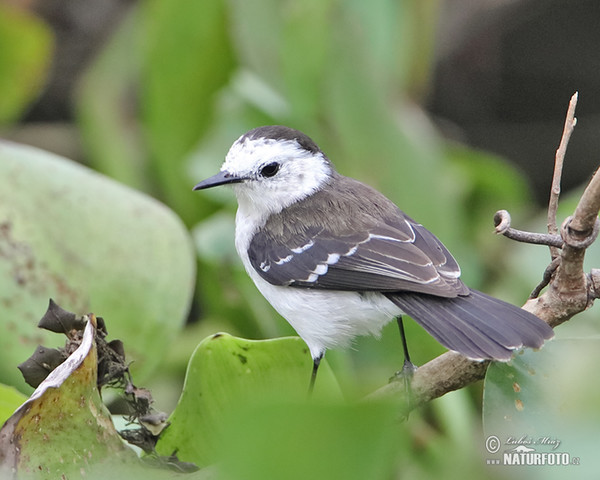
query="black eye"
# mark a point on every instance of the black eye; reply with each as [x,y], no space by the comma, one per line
[270,169]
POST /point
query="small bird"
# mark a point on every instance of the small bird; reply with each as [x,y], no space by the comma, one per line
[337,259]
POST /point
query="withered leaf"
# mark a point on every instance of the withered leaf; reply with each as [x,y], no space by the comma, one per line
[37,367]
[58,320]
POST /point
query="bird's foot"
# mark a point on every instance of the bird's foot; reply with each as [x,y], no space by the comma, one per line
[406,374]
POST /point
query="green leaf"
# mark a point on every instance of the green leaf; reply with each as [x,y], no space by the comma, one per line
[104,108]
[178,56]
[64,426]
[300,440]
[25,52]
[187,58]
[226,373]
[547,401]
[91,244]
[10,399]
[257,30]
[302,80]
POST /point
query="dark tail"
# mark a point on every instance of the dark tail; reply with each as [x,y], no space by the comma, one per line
[476,325]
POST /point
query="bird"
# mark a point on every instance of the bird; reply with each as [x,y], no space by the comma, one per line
[337,259]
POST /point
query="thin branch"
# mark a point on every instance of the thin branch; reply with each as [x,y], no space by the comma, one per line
[446,373]
[559,158]
[502,224]
[546,278]
[586,212]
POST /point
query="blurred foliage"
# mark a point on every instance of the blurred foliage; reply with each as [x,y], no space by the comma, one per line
[312,440]
[545,402]
[91,244]
[177,82]
[24,59]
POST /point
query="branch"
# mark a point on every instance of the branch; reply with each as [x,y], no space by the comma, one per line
[559,159]
[446,373]
[502,224]
[570,290]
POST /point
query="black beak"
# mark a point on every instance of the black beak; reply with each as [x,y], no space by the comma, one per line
[221,178]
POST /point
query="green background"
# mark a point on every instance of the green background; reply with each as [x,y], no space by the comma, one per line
[156,109]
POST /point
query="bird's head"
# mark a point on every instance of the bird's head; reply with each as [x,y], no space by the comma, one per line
[271,168]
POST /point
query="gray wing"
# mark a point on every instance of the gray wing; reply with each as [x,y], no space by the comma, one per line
[392,255]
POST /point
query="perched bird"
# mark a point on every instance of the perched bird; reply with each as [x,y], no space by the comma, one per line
[337,259]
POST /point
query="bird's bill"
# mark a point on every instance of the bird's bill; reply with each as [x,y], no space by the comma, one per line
[221,178]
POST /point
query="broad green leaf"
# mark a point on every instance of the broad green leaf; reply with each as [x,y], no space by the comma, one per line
[138,471]
[546,402]
[64,426]
[256,31]
[387,40]
[226,373]
[178,55]
[10,399]
[186,59]
[106,118]
[91,244]
[303,80]
[25,53]
[300,440]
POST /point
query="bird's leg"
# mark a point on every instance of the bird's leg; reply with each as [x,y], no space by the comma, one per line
[313,377]
[408,368]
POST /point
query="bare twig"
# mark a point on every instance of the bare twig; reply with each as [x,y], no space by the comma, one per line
[559,158]
[502,224]
[546,277]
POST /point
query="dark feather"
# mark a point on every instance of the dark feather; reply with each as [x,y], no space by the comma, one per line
[476,325]
[350,244]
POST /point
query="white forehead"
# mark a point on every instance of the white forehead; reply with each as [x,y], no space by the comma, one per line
[247,155]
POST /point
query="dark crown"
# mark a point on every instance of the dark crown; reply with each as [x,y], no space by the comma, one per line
[280,132]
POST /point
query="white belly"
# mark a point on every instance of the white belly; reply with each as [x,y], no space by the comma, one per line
[327,319]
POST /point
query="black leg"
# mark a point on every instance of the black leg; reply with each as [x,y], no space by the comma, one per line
[408,368]
[313,377]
